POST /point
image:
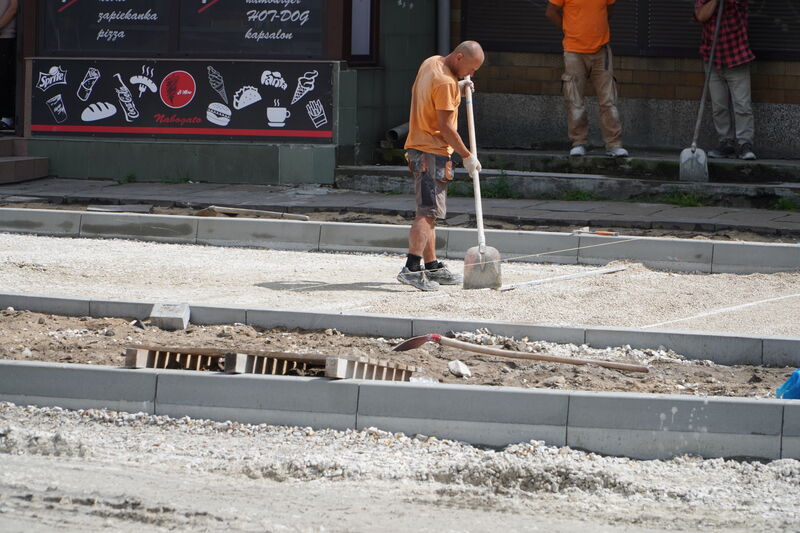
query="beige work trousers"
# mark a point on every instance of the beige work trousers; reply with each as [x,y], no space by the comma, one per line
[597,68]
[731,104]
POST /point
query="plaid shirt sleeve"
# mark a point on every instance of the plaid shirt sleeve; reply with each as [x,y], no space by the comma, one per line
[733,47]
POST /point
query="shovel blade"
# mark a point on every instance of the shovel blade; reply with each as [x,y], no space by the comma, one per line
[693,165]
[482,270]
[412,343]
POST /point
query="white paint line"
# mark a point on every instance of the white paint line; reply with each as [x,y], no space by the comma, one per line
[724,310]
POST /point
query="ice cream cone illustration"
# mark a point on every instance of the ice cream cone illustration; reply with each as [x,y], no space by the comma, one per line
[305,85]
[217,83]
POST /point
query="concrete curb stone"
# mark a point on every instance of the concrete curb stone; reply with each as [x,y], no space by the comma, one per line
[274,234]
[158,228]
[683,255]
[722,349]
[660,253]
[120,309]
[642,426]
[75,386]
[207,315]
[781,351]
[355,324]
[563,335]
[755,257]
[47,304]
[538,246]
[491,416]
[41,222]
[276,400]
[646,426]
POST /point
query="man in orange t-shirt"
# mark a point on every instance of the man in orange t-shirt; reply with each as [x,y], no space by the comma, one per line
[587,57]
[432,139]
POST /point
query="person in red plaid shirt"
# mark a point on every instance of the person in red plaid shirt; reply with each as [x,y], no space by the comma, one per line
[730,76]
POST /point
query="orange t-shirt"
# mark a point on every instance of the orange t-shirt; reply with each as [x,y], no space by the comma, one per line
[585,24]
[436,88]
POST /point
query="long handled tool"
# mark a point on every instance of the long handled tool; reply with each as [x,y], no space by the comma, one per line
[416,342]
[481,263]
[694,162]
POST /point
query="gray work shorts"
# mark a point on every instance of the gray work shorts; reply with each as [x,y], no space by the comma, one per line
[432,173]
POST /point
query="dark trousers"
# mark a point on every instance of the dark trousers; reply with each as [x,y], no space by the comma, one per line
[8,77]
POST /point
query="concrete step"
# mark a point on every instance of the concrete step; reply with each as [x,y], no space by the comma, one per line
[644,165]
[14,169]
[574,186]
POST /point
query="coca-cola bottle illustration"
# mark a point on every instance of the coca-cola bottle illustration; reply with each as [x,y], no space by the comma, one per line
[126,100]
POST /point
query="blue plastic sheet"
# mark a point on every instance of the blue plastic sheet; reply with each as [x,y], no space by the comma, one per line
[791,389]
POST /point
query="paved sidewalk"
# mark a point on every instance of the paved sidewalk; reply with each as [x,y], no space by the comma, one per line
[596,214]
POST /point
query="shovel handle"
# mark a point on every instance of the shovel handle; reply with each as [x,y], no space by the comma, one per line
[720,11]
[476,182]
[454,343]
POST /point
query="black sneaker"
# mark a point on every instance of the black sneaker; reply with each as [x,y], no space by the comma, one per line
[418,280]
[746,152]
[726,148]
[444,276]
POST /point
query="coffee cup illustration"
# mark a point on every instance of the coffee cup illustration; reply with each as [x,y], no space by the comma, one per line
[277,115]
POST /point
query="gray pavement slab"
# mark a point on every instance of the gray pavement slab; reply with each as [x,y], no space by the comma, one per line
[119,309]
[121,208]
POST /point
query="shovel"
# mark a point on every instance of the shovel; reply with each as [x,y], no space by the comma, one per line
[481,263]
[416,342]
[694,162]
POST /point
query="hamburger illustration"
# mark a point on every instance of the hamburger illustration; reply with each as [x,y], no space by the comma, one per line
[218,114]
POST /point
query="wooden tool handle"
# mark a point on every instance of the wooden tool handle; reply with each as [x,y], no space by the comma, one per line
[453,343]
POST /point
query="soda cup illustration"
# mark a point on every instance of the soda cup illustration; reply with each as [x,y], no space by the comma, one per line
[57,108]
[85,89]
[126,100]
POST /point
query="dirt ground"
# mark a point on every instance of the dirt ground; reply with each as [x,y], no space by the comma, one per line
[352,216]
[38,337]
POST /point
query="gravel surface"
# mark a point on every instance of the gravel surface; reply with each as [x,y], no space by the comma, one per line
[206,475]
[637,297]
[37,337]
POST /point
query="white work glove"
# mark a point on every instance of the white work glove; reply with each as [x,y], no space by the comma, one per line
[466,82]
[472,165]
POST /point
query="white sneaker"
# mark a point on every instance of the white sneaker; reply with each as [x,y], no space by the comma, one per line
[578,150]
[617,151]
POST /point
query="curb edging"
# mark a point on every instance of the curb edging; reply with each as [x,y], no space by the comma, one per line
[641,426]
[720,349]
[681,255]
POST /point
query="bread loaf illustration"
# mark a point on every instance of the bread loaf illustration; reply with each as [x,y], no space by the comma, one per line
[98,111]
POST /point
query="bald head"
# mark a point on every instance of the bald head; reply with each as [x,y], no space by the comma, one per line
[465,59]
[470,49]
